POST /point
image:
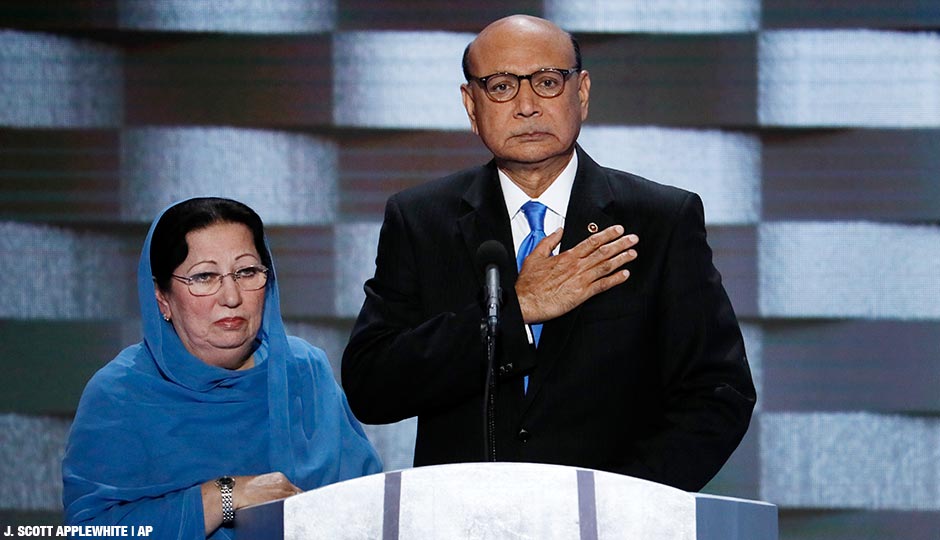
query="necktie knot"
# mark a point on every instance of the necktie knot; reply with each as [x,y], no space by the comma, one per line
[535,214]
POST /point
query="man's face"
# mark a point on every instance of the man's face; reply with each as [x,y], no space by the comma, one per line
[529,129]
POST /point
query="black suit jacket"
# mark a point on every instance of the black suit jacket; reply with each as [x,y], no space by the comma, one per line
[647,379]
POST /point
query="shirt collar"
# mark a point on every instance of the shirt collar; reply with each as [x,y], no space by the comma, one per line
[555,197]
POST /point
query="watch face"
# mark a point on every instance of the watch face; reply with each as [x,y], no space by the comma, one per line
[226,481]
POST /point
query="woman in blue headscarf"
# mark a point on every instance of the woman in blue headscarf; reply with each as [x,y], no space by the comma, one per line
[218,408]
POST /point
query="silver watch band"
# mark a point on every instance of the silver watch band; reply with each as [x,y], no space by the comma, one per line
[226,485]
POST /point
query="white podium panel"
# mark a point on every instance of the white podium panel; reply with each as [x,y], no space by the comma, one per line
[505,500]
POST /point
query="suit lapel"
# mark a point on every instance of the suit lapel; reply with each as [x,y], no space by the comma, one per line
[483,217]
[589,204]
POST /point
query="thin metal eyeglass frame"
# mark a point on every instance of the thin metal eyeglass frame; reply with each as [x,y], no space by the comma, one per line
[189,281]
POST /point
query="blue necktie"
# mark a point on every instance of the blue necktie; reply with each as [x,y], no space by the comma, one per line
[535,215]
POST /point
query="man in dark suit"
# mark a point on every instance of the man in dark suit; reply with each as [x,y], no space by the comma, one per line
[606,358]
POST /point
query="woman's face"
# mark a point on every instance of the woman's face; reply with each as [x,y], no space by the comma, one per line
[219,329]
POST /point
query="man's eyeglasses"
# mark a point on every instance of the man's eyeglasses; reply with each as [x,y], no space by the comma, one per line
[546,82]
[249,278]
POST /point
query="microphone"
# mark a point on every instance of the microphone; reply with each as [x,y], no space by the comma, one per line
[492,258]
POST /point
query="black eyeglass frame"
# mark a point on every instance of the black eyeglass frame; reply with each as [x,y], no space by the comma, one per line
[565,73]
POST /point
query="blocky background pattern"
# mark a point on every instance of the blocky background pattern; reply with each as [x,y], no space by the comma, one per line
[810,128]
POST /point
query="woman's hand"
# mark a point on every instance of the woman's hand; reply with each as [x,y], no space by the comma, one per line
[251,490]
[248,490]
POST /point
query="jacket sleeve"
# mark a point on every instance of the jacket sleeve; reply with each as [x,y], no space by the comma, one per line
[174,516]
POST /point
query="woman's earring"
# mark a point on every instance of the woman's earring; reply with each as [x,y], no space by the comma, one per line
[166,317]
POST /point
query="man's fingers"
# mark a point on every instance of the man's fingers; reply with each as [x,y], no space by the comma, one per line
[608,266]
[612,250]
[608,282]
[595,241]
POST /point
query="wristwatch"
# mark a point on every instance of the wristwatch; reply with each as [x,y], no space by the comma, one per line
[226,485]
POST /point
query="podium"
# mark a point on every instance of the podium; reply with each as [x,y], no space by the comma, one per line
[505,500]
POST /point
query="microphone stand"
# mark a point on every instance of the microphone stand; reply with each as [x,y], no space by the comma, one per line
[488,332]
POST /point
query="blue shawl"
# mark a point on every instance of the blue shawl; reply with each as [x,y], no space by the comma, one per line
[156,422]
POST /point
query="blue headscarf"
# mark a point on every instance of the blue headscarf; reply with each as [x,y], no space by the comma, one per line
[156,422]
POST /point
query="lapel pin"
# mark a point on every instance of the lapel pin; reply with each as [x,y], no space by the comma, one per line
[592,227]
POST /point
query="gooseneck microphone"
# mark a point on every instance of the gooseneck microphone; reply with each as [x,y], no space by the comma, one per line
[492,258]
